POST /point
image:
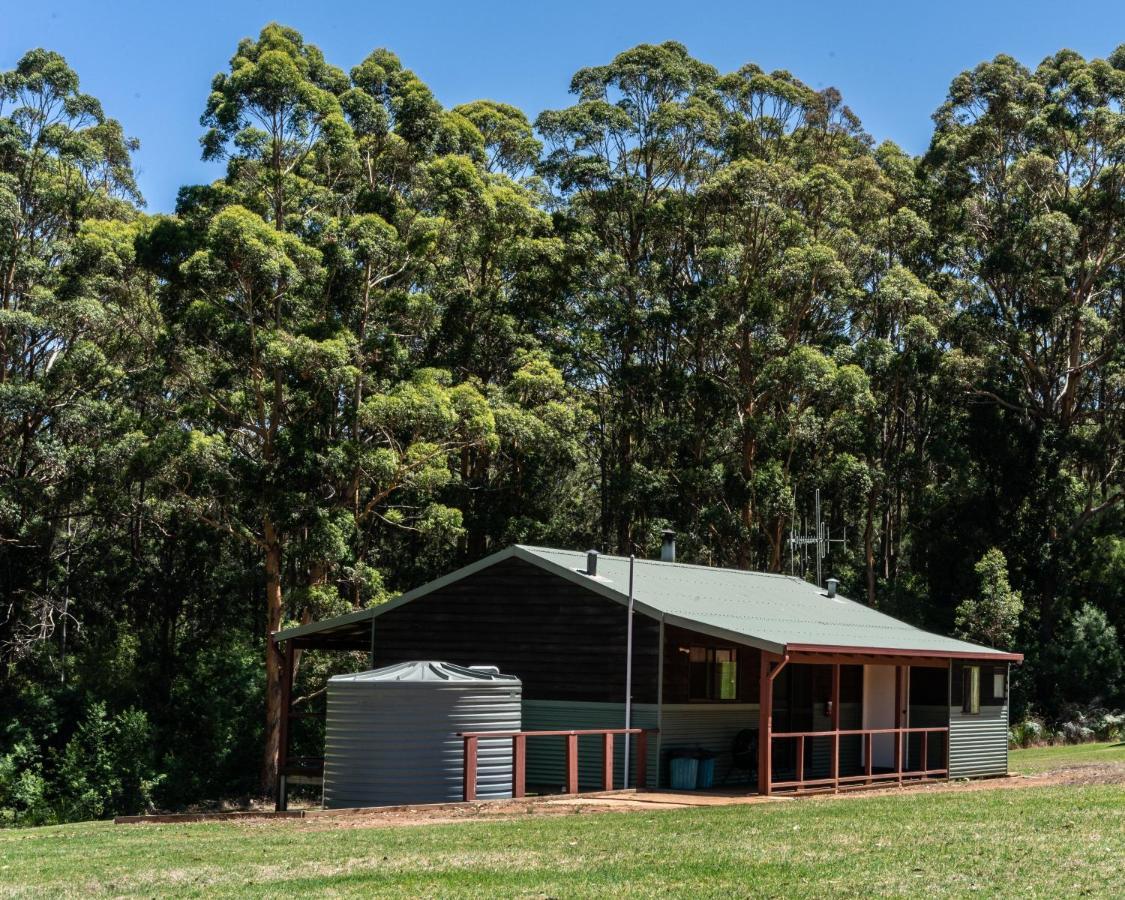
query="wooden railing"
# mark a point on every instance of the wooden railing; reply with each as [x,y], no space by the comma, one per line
[835,780]
[519,756]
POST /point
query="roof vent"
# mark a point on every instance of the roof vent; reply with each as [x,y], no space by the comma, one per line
[592,563]
[832,584]
[668,545]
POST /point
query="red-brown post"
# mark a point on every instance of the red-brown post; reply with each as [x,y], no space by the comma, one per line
[898,722]
[948,716]
[836,725]
[765,726]
[470,768]
[519,766]
[572,764]
[641,768]
[607,761]
[868,740]
[800,759]
[925,767]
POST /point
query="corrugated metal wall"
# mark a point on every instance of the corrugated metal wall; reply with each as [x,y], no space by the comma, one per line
[978,743]
[546,756]
[708,726]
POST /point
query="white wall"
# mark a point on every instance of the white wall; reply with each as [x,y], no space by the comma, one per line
[879,711]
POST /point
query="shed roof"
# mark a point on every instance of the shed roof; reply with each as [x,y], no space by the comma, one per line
[779,613]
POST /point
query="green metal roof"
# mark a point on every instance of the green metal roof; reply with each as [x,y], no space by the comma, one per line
[778,613]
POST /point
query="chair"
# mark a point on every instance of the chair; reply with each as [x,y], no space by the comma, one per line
[744,755]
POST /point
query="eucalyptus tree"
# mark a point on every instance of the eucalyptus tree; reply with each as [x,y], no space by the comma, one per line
[495,280]
[898,325]
[250,360]
[625,160]
[311,317]
[468,260]
[1028,174]
[66,364]
[779,253]
[510,145]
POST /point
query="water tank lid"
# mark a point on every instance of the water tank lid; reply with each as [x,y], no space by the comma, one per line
[429,670]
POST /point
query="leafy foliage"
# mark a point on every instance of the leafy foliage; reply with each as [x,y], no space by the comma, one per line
[993,617]
[392,338]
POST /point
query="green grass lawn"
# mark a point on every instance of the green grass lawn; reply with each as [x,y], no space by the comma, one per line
[1044,759]
[1035,841]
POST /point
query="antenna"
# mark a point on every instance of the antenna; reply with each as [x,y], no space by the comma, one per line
[820,541]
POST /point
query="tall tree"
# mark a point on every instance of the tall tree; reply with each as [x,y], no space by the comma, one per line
[1029,180]
[638,141]
[65,362]
[788,215]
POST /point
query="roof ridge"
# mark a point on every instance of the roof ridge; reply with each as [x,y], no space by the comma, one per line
[677,564]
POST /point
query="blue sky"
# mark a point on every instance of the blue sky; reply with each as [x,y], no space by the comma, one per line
[151,63]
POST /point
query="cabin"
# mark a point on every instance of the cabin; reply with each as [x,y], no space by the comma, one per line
[790,687]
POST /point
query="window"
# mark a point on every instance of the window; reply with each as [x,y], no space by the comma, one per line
[714,673]
[970,696]
[998,685]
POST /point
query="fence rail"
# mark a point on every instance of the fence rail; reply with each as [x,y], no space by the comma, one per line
[869,776]
[519,756]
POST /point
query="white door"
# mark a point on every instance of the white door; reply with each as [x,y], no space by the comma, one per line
[879,712]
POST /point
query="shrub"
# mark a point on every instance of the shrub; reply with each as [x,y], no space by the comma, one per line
[1078,727]
[1110,727]
[1093,669]
[23,789]
[106,767]
[992,617]
[1026,733]
[1091,724]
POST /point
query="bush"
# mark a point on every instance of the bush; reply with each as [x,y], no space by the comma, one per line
[1027,733]
[1110,727]
[1093,669]
[23,789]
[106,767]
[1091,724]
[1079,726]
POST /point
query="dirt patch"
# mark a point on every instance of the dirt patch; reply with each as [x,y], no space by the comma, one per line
[1080,775]
[1090,773]
[538,807]
[1071,775]
[491,811]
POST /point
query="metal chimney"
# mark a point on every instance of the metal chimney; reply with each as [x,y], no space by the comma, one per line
[668,545]
[832,583]
[592,563]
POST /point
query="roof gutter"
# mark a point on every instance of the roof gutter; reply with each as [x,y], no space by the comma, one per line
[888,651]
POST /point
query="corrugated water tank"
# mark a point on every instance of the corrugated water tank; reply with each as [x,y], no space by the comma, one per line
[391,734]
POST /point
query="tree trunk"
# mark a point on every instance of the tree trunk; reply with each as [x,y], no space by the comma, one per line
[869,548]
[748,452]
[273,659]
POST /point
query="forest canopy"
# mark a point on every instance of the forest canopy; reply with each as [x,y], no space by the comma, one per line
[395,337]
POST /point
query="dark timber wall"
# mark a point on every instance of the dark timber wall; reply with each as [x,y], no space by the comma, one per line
[564,642]
[677,667]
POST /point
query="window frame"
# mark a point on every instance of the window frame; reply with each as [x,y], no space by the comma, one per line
[714,678]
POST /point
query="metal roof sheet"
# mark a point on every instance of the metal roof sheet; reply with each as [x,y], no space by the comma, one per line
[780,610]
[770,611]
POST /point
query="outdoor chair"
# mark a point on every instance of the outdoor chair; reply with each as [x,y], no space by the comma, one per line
[744,755]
